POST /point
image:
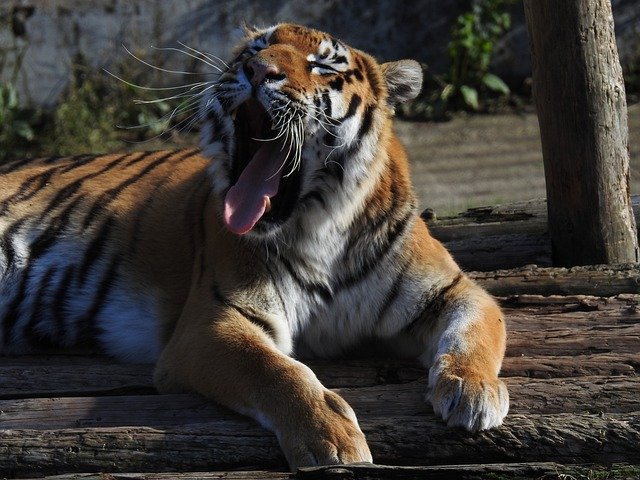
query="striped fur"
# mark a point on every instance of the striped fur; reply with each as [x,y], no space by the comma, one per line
[136,254]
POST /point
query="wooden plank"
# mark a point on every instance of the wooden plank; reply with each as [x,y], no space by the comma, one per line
[564,438]
[547,470]
[579,93]
[501,236]
[226,475]
[536,396]
[48,379]
[600,280]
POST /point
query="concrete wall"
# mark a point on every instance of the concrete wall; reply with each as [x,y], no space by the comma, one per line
[58,33]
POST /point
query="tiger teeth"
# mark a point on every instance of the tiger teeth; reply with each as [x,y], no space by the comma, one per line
[233,114]
[267,208]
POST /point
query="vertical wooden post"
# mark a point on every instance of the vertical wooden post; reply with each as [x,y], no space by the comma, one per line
[579,95]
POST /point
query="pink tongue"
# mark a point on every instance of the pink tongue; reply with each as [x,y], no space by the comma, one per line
[246,201]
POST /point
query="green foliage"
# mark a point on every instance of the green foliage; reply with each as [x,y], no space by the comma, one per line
[16,123]
[99,113]
[83,121]
[468,81]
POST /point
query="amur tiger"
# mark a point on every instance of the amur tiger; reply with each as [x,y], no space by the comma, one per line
[293,230]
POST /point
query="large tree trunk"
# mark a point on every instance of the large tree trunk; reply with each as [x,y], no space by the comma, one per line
[580,98]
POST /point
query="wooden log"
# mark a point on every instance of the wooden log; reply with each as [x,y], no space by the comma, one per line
[501,236]
[88,379]
[222,475]
[49,380]
[597,280]
[565,438]
[536,396]
[580,98]
[546,470]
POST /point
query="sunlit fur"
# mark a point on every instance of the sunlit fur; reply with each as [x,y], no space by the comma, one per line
[129,253]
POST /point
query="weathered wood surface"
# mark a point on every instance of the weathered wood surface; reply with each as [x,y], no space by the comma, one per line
[538,470]
[601,394]
[572,370]
[601,280]
[414,440]
[503,236]
[582,112]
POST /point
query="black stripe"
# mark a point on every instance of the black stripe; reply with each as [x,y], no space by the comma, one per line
[337,84]
[6,242]
[367,121]
[376,253]
[36,338]
[194,215]
[95,249]
[110,195]
[432,302]
[37,249]
[78,164]
[70,189]
[58,307]
[15,165]
[393,293]
[326,101]
[87,326]
[27,189]
[354,103]
[78,161]
[310,287]
[260,322]
[139,159]
[314,195]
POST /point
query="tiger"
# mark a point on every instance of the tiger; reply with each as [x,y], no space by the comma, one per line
[291,232]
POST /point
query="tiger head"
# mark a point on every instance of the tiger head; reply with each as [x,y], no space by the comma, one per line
[296,123]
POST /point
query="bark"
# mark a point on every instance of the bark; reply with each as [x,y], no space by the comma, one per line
[580,98]
[367,472]
[597,280]
[528,395]
[501,236]
[565,438]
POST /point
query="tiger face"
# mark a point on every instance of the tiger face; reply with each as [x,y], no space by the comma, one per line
[295,123]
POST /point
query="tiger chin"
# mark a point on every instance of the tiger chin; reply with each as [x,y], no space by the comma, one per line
[294,230]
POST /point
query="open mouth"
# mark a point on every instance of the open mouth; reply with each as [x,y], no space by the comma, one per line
[262,189]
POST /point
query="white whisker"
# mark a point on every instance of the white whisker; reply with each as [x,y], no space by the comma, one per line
[173,49]
[164,69]
[209,56]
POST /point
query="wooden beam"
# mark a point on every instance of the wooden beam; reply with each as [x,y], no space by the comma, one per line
[594,394]
[580,99]
[414,440]
[534,470]
[500,236]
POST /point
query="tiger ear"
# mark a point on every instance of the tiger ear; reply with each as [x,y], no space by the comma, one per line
[403,79]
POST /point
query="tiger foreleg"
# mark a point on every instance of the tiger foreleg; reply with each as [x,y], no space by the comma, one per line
[465,345]
[233,361]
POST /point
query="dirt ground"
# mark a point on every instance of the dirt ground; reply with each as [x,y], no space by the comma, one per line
[482,160]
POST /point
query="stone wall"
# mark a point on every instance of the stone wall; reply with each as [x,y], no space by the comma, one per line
[53,34]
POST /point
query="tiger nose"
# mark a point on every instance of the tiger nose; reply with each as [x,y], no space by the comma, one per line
[258,71]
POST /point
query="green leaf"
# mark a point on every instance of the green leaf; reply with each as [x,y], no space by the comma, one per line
[22,129]
[11,99]
[447,91]
[470,96]
[495,83]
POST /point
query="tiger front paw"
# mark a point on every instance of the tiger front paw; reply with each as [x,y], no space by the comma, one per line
[466,398]
[327,435]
